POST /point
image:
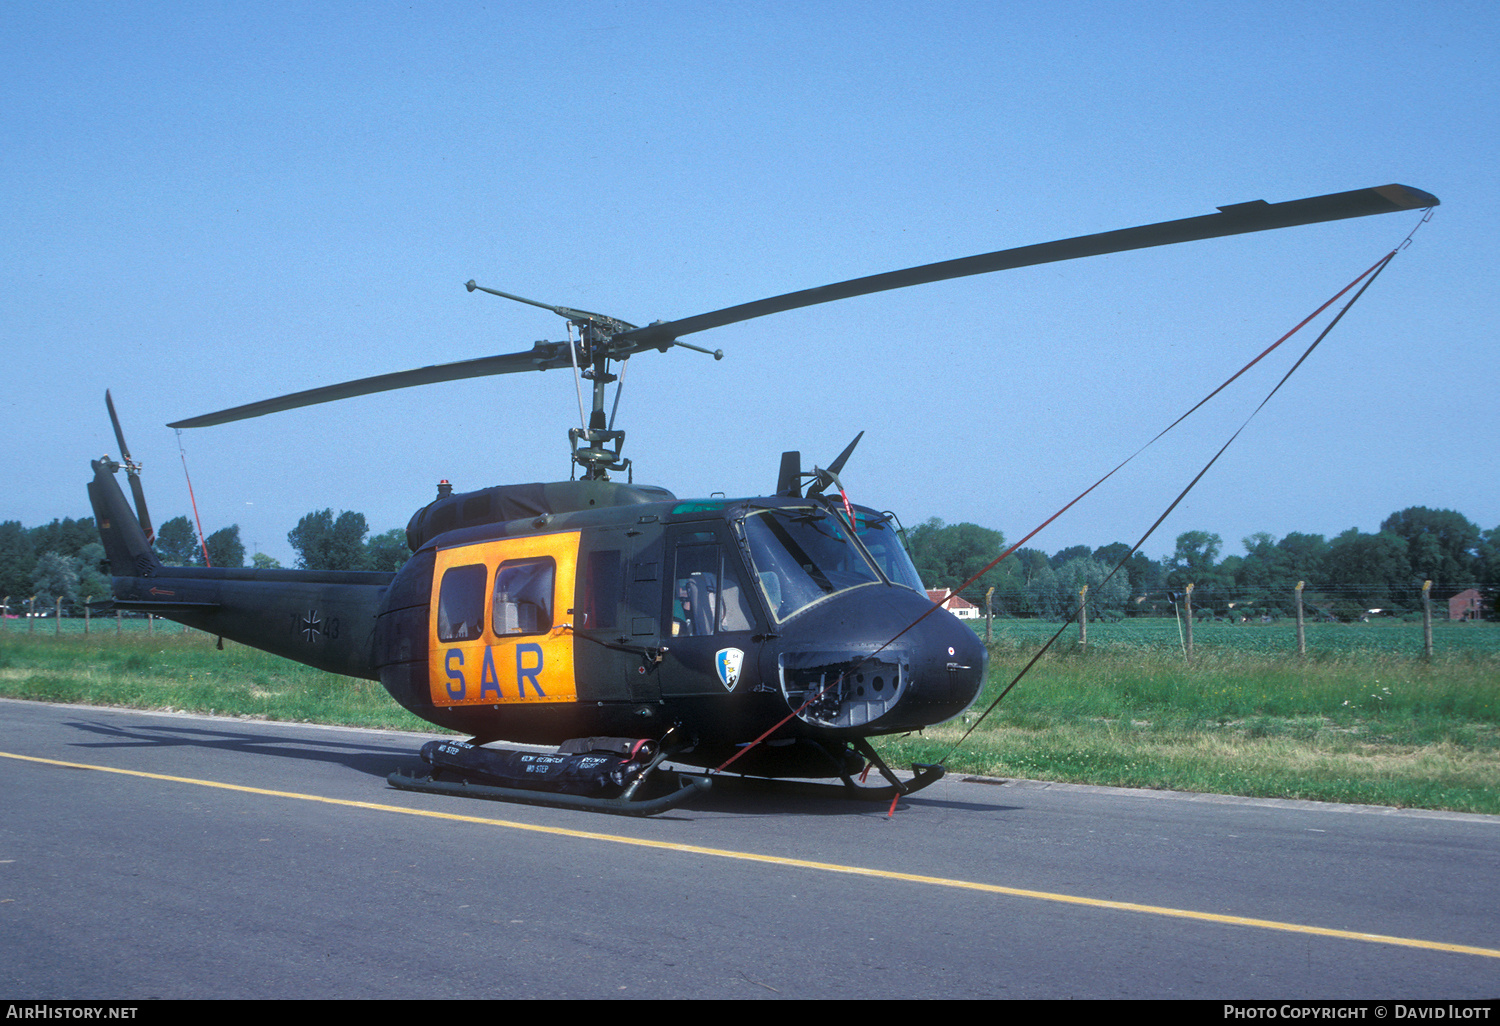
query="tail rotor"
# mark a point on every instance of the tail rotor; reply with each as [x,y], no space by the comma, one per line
[132,471]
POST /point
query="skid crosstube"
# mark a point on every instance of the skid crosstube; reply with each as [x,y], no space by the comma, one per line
[923,775]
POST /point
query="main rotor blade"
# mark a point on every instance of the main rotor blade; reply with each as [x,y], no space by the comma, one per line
[1255,216]
[542,356]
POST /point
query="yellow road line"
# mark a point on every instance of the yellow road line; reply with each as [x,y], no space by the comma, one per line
[827,867]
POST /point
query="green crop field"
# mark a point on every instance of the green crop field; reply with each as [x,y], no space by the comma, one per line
[1364,717]
[1385,636]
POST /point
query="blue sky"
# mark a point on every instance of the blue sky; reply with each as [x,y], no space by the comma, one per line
[209,204]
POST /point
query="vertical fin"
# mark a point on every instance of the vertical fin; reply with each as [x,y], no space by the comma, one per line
[125,543]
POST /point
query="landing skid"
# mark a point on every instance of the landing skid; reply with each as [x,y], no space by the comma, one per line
[598,774]
[923,775]
[622,806]
[617,776]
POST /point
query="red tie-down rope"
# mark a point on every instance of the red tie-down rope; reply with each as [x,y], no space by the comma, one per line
[1371,274]
[202,541]
[1374,269]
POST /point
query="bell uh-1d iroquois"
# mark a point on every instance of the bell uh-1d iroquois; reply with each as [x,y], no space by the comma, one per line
[617,622]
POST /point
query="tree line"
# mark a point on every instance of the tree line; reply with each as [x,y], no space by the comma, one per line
[65,559]
[1349,576]
[1346,576]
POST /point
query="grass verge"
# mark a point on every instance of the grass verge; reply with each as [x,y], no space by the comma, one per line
[1373,727]
[1365,727]
[172,670]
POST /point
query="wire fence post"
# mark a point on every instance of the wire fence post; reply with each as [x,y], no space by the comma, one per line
[1083,617]
[1427,619]
[1301,630]
[1187,603]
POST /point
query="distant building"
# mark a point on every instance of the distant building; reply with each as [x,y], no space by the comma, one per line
[958,606]
[1466,605]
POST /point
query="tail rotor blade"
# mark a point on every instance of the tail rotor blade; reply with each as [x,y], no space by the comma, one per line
[119,435]
[140,507]
[132,471]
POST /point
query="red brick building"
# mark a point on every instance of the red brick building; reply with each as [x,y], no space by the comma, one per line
[1466,605]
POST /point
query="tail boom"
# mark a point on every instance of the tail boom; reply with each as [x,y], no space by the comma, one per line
[324,619]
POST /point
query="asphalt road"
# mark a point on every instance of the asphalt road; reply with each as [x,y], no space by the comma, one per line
[151,855]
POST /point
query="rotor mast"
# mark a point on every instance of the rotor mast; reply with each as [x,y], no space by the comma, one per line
[594,457]
[601,338]
[591,355]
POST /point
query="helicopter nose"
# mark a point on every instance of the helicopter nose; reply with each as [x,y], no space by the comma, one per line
[880,665]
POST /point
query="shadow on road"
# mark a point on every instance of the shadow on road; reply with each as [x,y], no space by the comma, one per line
[731,795]
[361,756]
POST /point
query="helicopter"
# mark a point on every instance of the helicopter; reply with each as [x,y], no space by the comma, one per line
[628,629]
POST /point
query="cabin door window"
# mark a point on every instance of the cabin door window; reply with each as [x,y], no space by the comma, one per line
[713,620]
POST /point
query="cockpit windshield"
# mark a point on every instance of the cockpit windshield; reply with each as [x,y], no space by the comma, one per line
[803,555]
[882,539]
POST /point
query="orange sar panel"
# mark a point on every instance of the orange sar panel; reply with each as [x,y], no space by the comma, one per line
[500,630]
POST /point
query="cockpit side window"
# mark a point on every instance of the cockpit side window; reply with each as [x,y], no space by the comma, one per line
[882,539]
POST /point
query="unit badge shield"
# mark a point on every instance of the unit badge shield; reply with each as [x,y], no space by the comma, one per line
[728,662]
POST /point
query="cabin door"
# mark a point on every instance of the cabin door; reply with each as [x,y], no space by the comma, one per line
[709,616]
